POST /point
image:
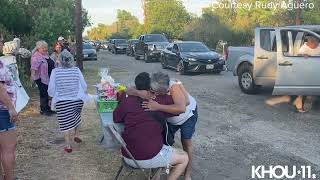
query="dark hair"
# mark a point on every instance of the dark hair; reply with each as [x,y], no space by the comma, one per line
[142,81]
[54,46]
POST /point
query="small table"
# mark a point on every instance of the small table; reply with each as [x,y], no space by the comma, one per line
[107,139]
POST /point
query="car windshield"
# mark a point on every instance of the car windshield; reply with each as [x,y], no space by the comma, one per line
[87,46]
[134,41]
[120,41]
[155,38]
[193,47]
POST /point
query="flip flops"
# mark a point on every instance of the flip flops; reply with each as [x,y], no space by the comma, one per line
[77,140]
[68,149]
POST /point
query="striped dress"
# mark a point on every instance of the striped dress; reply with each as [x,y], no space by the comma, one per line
[67,86]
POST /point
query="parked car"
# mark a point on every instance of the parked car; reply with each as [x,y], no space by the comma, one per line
[131,46]
[191,56]
[104,45]
[89,52]
[92,43]
[98,45]
[274,61]
[119,46]
[150,47]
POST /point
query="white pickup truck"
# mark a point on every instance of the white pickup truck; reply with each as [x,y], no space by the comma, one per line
[274,61]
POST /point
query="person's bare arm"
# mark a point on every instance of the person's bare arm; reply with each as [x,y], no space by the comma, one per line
[132,91]
[185,92]
[33,72]
[5,99]
[178,107]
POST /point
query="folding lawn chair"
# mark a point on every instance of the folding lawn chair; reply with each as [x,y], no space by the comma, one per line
[150,173]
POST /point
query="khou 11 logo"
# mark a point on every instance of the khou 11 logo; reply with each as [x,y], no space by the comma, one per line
[279,172]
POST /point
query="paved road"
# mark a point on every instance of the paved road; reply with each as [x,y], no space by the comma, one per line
[234,131]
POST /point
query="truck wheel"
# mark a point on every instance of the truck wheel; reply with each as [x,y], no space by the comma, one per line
[136,57]
[146,58]
[246,81]
[181,68]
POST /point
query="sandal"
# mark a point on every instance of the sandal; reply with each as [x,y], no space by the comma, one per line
[300,110]
[77,140]
[68,149]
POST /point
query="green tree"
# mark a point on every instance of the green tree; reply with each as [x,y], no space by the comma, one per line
[207,29]
[166,16]
[33,19]
[52,23]
[14,17]
[100,32]
[126,26]
[312,16]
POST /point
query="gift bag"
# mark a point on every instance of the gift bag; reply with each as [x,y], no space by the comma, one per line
[22,98]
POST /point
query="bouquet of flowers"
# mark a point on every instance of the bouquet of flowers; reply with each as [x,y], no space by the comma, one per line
[108,89]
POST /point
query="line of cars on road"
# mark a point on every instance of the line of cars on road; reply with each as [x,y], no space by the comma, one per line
[273,61]
[182,56]
[90,48]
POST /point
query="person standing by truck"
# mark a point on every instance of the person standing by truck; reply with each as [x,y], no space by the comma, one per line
[301,103]
[309,48]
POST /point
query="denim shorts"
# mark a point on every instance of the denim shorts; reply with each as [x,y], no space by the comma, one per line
[5,123]
[187,128]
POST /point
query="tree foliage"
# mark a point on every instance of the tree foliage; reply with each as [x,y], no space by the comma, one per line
[166,16]
[126,26]
[234,25]
[52,23]
[238,24]
[33,20]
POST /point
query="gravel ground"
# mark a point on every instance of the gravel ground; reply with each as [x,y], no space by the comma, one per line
[234,132]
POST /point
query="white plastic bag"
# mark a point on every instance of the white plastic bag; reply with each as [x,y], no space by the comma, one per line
[105,77]
[90,102]
[22,96]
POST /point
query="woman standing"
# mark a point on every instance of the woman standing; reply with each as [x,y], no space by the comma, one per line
[56,53]
[68,88]
[40,75]
[8,117]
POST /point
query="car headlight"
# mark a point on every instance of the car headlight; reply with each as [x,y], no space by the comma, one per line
[221,58]
[151,47]
[192,59]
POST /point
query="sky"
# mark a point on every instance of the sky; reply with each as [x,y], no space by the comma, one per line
[105,11]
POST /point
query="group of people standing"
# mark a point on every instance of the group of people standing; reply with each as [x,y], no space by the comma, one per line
[41,68]
[62,88]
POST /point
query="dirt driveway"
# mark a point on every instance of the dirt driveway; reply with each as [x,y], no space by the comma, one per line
[234,132]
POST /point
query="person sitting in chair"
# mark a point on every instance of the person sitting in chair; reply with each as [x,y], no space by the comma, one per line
[143,133]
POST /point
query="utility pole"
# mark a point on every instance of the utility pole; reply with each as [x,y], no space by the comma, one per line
[117,23]
[144,7]
[78,30]
[298,13]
